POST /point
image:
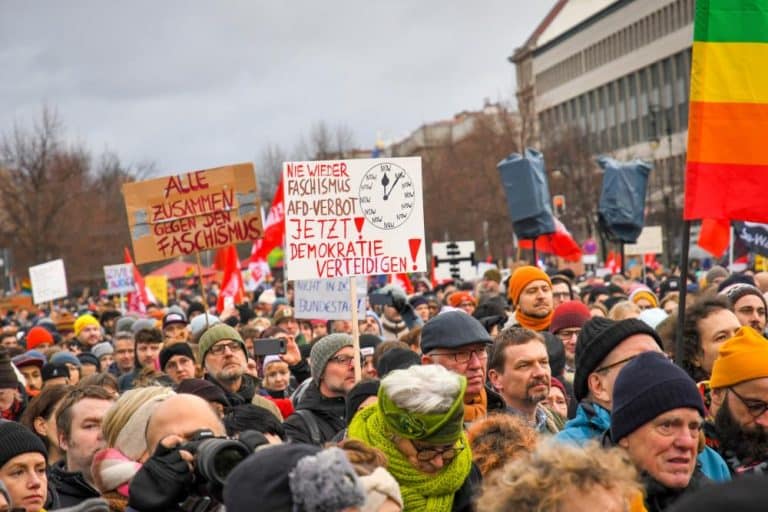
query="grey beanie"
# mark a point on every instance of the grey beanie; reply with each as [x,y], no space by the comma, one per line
[102,349]
[143,323]
[124,324]
[326,481]
[324,349]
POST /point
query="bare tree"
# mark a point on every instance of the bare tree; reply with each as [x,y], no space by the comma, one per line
[56,203]
[270,166]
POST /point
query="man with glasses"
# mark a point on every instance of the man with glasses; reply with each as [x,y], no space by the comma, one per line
[561,290]
[458,342]
[739,395]
[603,348]
[225,360]
[566,324]
[321,409]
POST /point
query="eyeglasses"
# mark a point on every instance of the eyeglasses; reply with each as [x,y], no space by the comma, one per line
[567,334]
[561,295]
[427,453]
[755,408]
[464,356]
[617,363]
[342,360]
[219,349]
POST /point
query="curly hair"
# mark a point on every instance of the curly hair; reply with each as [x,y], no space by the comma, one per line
[692,350]
[543,480]
[498,439]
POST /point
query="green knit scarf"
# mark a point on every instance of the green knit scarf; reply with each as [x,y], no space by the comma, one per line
[431,492]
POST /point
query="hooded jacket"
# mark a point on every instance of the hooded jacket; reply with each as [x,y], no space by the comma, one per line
[328,413]
[592,421]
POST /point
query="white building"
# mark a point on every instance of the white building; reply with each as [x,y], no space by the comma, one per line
[617,72]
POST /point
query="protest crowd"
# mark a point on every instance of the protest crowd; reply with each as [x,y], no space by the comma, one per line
[542,391]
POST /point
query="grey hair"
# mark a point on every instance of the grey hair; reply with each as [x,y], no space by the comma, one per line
[423,389]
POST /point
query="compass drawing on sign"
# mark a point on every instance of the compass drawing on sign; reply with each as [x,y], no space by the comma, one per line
[387,195]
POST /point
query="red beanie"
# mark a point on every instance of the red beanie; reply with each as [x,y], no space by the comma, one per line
[38,336]
[456,298]
[569,314]
[522,277]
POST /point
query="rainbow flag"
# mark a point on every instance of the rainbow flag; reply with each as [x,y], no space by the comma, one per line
[727,168]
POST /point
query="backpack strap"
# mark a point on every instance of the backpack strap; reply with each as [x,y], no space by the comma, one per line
[311,423]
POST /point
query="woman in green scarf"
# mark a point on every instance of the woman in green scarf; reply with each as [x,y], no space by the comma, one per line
[418,424]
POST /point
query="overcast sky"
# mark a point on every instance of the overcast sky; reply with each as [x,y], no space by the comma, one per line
[192,84]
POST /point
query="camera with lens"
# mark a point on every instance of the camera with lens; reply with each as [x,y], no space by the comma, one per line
[215,457]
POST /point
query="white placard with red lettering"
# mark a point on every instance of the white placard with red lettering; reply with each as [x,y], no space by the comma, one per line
[353,218]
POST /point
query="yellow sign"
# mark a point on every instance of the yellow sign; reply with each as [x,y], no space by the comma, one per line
[159,287]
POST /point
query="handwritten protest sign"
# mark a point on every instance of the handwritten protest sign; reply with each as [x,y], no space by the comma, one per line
[327,299]
[119,278]
[49,281]
[192,212]
[353,218]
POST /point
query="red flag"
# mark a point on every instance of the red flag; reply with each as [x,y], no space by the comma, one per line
[232,284]
[403,281]
[274,232]
[613,262]
[559,243]
[715,235]
[141,297]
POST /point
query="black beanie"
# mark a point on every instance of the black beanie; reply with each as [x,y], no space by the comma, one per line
[177,349]
[555,352]
[596,340]
[263,478]
[396,359]
[746,494]
[18,439]
[8,379]
[358,394]
[646,387]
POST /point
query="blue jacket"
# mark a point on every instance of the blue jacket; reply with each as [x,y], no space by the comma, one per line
[592,421]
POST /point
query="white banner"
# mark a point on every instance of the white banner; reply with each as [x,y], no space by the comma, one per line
[119,278]
[649,242]
[327,299]
[353,218]
[49,281]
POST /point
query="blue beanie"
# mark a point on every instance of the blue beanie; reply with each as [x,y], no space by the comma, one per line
[646,387]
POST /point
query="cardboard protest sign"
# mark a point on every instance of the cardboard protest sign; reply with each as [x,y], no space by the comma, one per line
[327,299]
[16,302]
[353,218]
[454,260]
[119,278]
[49,281]
[650,241]
[192,212]
[158,285]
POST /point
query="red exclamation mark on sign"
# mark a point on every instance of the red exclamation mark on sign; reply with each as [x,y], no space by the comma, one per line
[359,225]
[414,244]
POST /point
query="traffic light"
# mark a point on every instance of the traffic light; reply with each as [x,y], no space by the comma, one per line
[558,205]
